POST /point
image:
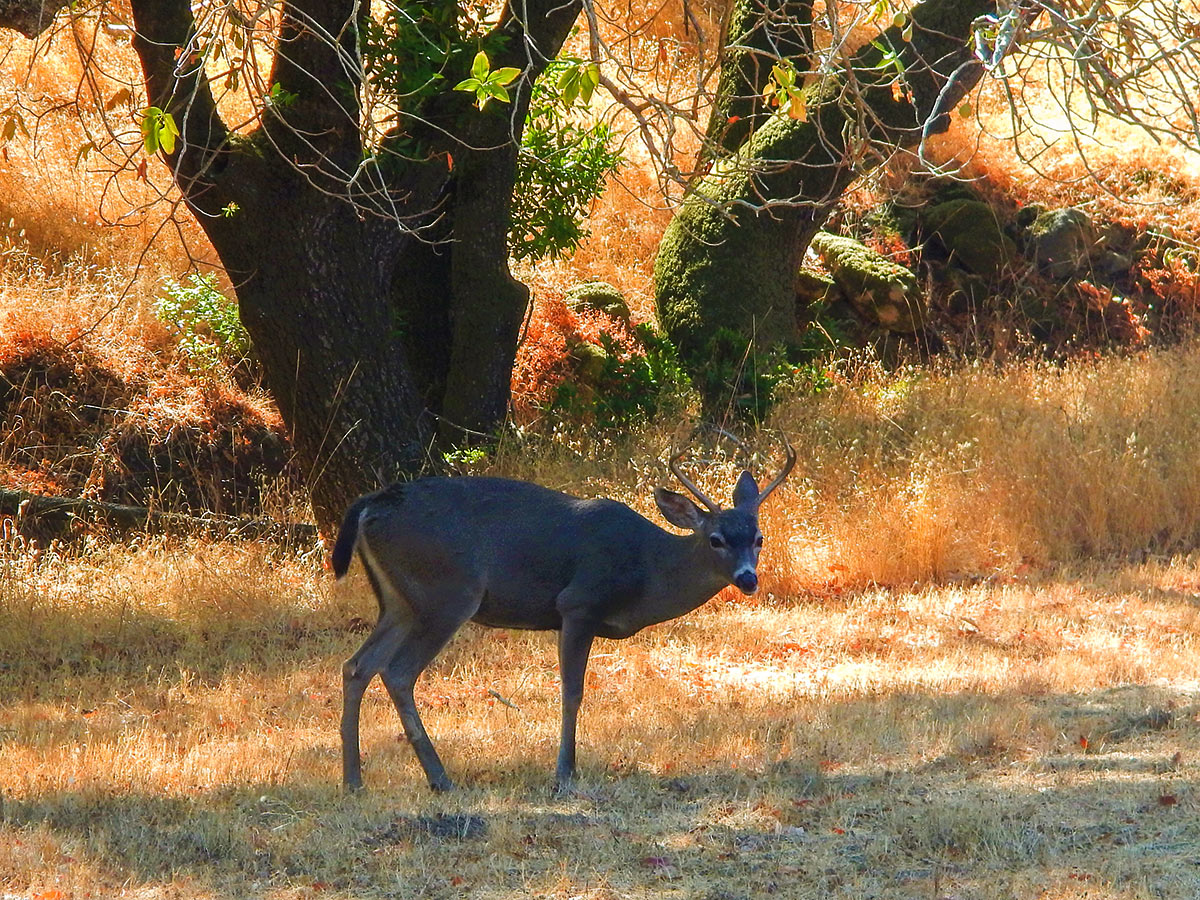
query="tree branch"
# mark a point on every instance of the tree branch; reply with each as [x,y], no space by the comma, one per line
[164,39]
[317,60]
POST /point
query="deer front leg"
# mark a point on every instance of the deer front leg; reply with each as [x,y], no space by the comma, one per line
[574,645]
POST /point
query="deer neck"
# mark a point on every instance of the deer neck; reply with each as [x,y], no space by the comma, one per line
[681,575]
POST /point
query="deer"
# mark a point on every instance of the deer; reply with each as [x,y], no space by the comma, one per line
[441,551]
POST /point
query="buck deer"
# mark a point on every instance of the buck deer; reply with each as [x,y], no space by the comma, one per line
[510,554]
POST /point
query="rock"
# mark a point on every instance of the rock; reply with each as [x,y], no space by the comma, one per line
[879,289]
[1062,241]
[946,190]
[588,361]
[814,289]
[969,231]
[1027,215]
[599,296]
[1113,265]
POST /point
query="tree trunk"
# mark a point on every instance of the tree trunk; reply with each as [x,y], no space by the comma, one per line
[313,283]
[729,258]
[372,291]
[758,33]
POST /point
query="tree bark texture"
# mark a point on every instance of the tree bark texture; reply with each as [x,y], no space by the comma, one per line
[369,326]
[30,17]
[729,257]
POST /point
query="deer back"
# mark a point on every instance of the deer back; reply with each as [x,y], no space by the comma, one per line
[514,544]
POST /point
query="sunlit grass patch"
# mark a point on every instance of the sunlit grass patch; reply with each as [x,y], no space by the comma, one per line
[171,713]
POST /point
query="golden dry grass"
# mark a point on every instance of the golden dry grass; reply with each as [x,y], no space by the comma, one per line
[169,729]
[936,695]
[1020,723]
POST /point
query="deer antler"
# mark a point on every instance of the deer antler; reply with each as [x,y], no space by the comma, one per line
[787,468]
[687,483]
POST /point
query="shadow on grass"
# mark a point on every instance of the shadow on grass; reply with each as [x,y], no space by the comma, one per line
[1120,812]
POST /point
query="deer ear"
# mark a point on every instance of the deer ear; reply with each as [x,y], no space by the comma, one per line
[678,509]
[745,492]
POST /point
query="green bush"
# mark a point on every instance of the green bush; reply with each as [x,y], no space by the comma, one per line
[561,169]
[748,383]
[205,321]
[630,387]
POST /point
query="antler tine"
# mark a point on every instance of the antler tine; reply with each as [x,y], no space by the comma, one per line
[687,483]
[787,468]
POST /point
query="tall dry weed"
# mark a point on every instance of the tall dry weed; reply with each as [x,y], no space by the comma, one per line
[930,474]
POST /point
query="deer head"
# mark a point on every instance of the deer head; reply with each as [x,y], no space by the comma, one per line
[732,535]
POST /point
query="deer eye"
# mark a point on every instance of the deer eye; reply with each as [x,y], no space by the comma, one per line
[716,542]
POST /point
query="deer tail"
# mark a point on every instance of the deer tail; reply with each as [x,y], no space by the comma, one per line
[343,548]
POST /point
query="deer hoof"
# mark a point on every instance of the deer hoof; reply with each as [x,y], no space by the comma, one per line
[563,787]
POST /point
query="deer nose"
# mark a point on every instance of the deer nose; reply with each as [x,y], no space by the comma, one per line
[746,581]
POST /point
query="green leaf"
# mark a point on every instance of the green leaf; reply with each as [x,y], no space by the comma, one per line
[506,75]
[168,132]
[481,66]
[588,81]
[159,130]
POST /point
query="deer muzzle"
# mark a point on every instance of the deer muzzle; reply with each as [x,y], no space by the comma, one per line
[746,581]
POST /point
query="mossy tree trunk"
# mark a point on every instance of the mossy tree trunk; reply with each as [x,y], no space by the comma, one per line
[375,286]
[729,258]
[757,34]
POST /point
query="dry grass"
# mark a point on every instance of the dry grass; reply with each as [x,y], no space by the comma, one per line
[968,472]
[170,730]
[1027,730]
[935,696]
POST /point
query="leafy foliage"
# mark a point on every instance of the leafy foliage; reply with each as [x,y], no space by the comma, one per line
[206,321]
[408,49]
[487,83]
[562,165]
[564,159]
[158,130]
[631,386]
[752,383]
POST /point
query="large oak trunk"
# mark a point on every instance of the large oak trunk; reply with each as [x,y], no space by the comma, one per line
[375,286]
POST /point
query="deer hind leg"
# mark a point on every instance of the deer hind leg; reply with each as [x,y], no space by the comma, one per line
[371,658]
[411,658]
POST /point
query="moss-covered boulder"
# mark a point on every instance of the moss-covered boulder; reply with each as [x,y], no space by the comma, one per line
[587,362]
[599,296]
[1061,241]
[971,234]
[882,291]
[813,291]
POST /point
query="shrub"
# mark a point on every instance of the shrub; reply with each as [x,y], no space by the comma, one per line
[637,380]
[747,383]
[561,169]
[206,322]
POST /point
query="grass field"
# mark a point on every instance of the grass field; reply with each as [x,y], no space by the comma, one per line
[971,672]
[169,729]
